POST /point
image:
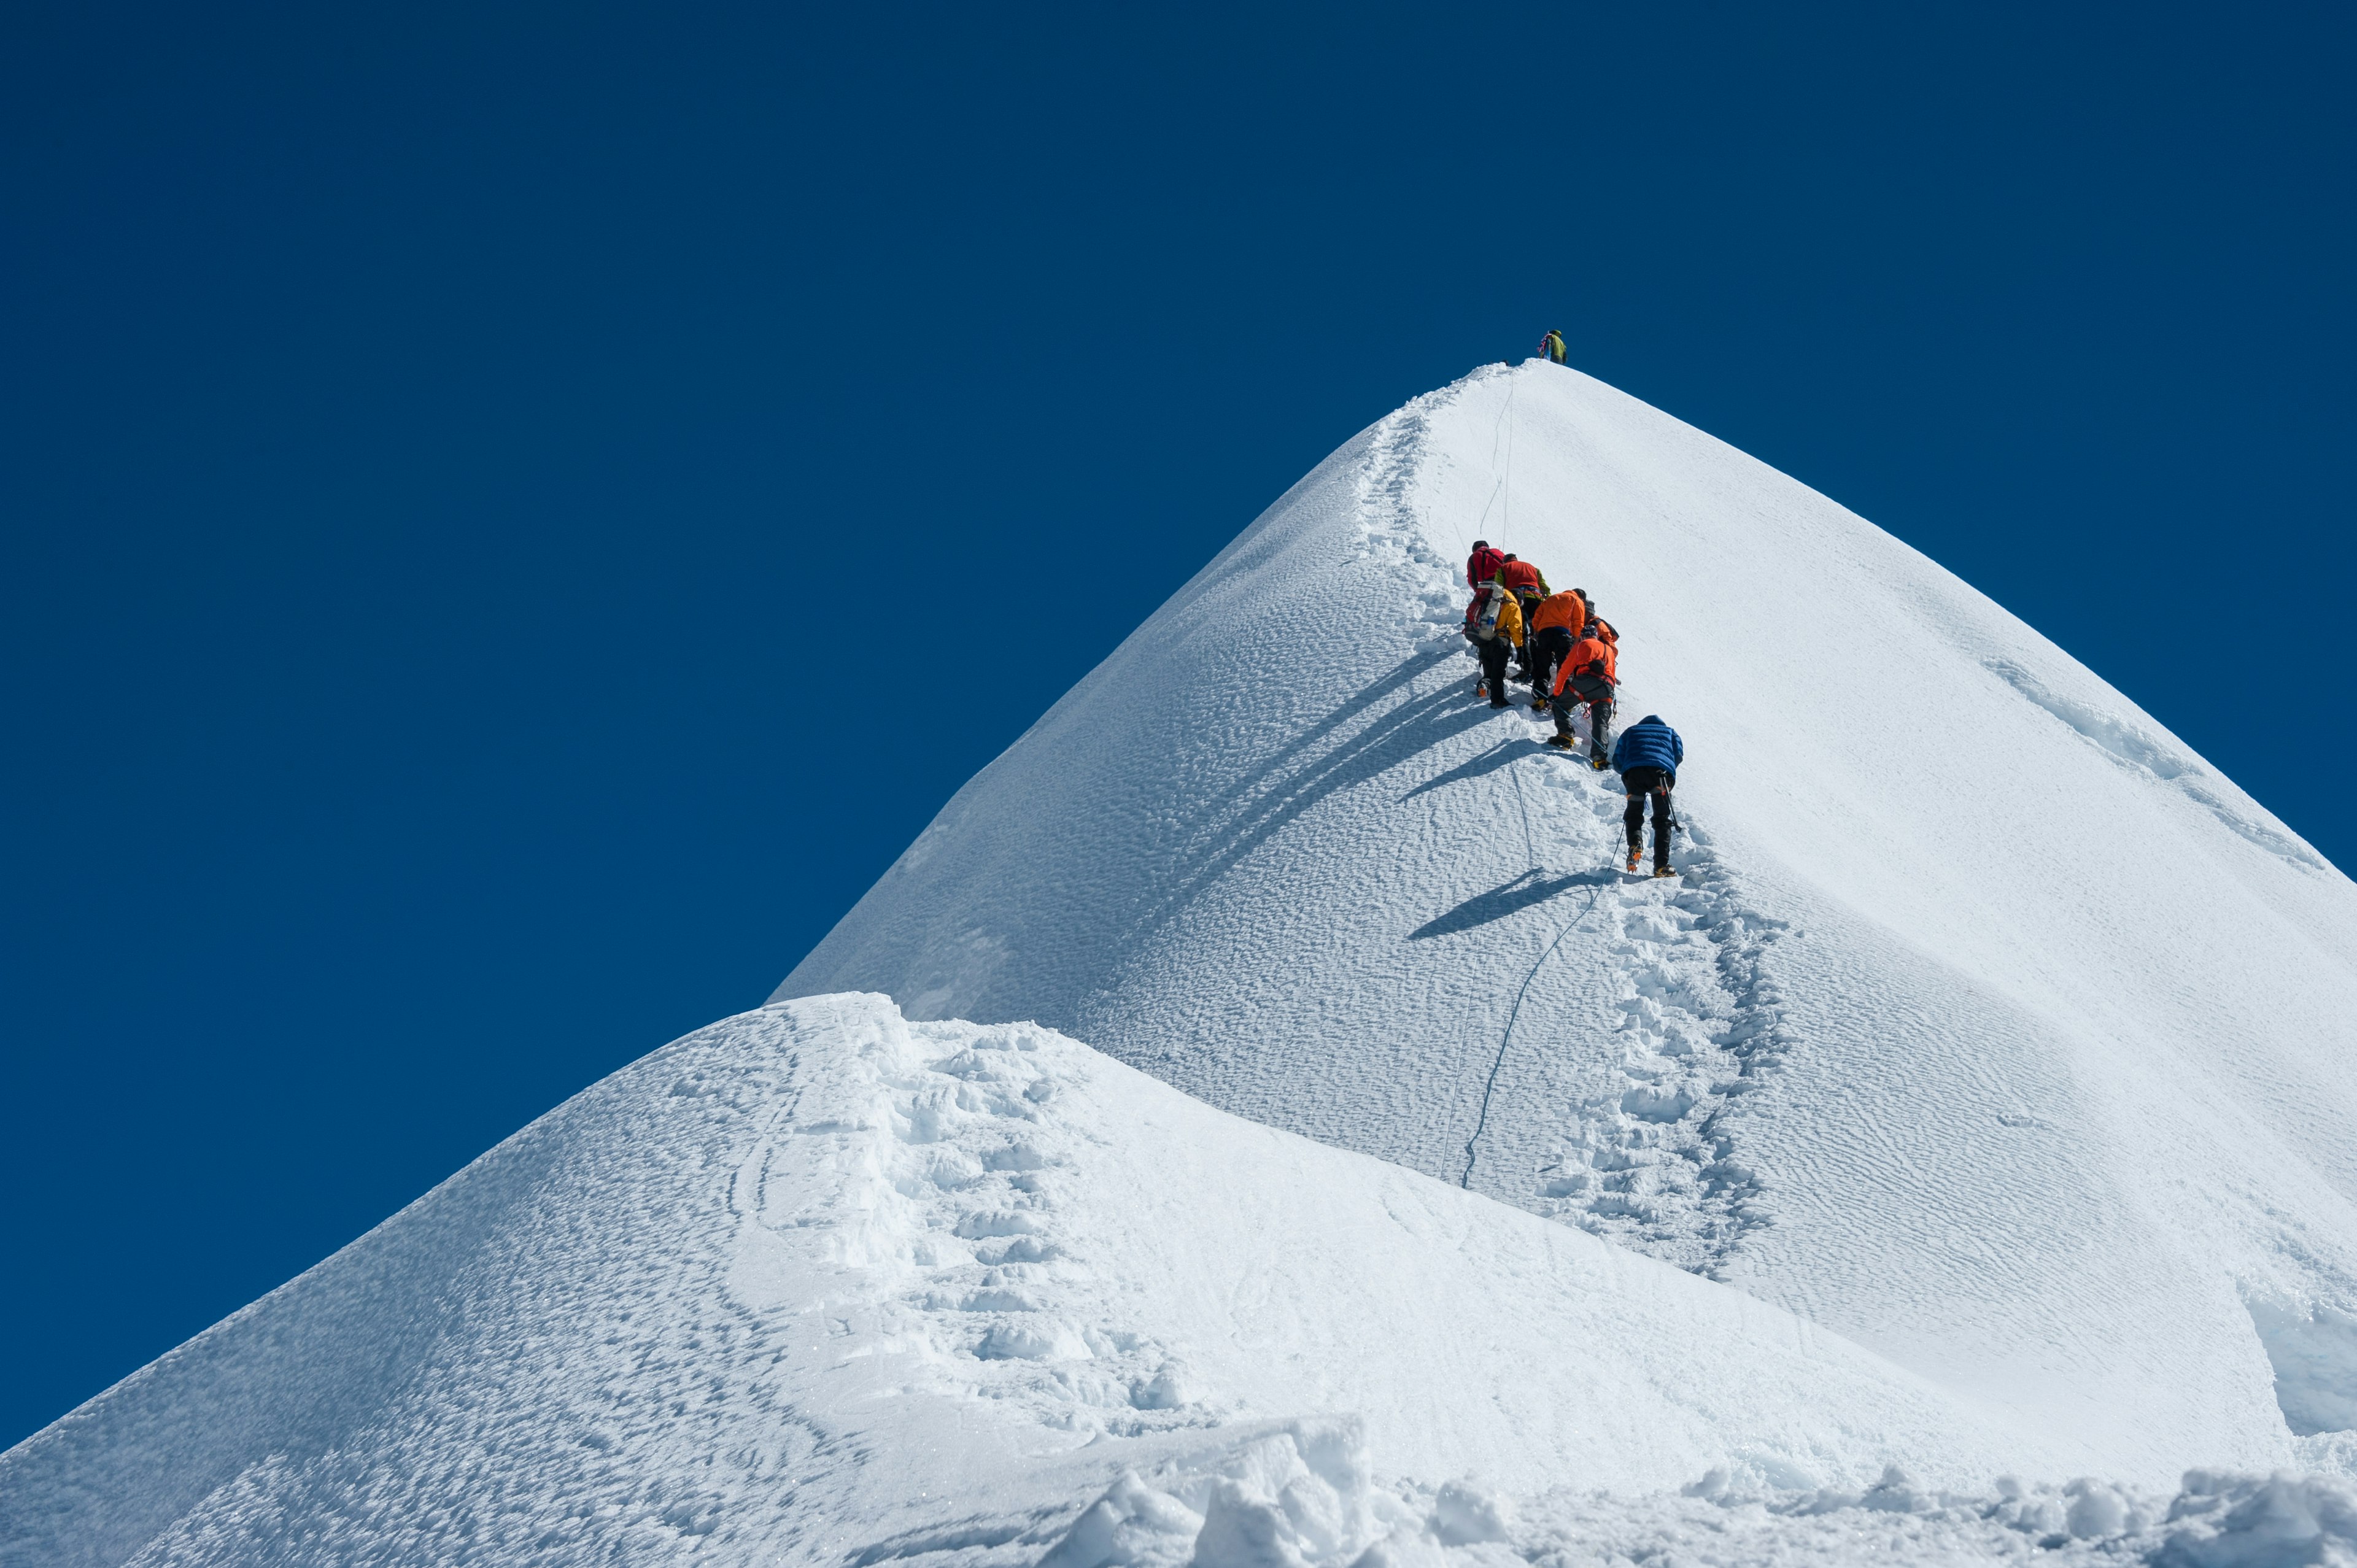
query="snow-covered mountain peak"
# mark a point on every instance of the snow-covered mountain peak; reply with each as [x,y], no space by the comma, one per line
[1987,1024]
[1951,1155]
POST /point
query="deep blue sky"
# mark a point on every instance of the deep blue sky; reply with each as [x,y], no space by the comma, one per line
[514,515]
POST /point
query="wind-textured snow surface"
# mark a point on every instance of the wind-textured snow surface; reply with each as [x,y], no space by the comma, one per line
[819,1286]
[816,1284]
[1987,1026]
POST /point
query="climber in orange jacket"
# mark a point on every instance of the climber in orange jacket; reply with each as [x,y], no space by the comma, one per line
[1590,674]
[1554,626]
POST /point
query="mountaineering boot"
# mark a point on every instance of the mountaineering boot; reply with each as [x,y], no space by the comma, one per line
[1563,742]
[1480,690]
[1635,854]
[1598,763]
[1538,704]
[1658,871]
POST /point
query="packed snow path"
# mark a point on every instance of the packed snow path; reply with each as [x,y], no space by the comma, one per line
[1692,1025]
[1987,1026]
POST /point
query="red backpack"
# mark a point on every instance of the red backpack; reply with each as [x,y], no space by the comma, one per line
[1486,565]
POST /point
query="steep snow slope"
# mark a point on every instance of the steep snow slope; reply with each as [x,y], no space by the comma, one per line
[817,1286]
[1989,1025]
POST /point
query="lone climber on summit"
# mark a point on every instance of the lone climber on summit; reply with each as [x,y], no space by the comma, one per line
[1647,760]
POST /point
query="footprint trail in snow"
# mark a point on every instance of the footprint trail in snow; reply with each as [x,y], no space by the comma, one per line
[1647,1158]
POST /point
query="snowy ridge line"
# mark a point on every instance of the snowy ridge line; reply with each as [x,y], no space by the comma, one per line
[954,1220]
[2129,746]
[1220,830]
[942,1196]
[1651,1165]
[978,1164]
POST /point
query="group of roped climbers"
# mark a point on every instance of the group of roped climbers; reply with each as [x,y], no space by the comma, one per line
[1571,657]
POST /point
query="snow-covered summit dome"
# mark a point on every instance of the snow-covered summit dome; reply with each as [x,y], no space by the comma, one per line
[1989,1024]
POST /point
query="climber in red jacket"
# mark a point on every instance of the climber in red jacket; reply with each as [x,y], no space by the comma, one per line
[1485,565]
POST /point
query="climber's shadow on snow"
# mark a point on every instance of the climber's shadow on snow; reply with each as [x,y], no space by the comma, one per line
[1489,761]
[1533,886]
[1332,755]
[1387,724]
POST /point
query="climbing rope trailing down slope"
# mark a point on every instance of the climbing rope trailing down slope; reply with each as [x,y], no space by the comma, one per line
[1505,1042]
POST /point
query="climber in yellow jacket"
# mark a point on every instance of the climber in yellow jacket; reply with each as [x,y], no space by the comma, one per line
[1493,623]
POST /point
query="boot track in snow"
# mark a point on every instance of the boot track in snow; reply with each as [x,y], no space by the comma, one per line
[1652,1164]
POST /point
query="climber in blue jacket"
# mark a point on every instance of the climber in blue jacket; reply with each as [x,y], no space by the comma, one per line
[1646,758]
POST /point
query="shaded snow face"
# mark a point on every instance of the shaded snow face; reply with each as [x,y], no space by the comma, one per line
[1987,1023]
[2314,1356]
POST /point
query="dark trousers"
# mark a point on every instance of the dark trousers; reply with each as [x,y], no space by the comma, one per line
[1493,667]
[1649,784]
[1523,655]
[1550,646]
[1599,721]
[1597,693]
